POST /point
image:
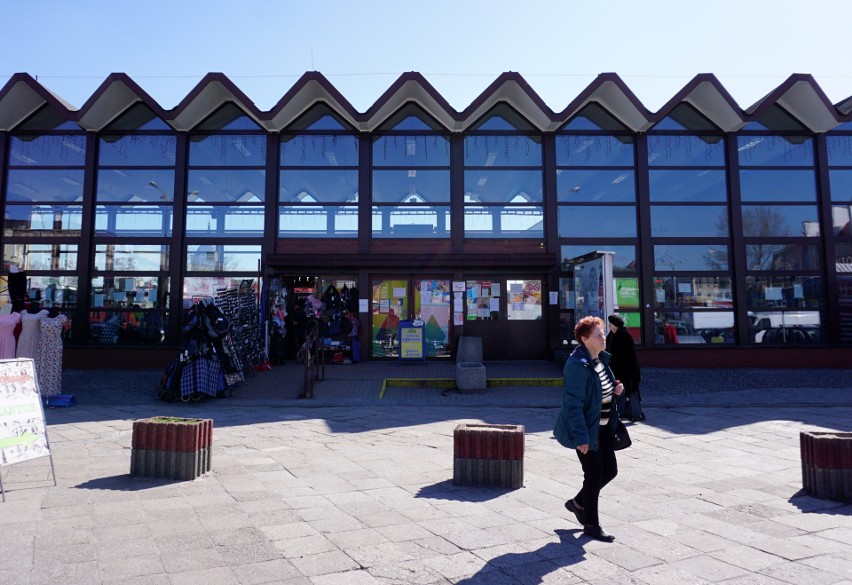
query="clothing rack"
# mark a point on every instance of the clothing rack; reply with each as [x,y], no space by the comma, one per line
[245,340]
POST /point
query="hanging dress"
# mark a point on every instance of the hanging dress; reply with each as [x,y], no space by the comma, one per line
[30,334]
[49,361]
[7,335]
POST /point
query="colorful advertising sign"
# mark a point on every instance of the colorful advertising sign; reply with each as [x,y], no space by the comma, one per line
[411,341]
[22,431]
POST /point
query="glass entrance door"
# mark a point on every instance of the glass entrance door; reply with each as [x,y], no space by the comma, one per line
[394,299]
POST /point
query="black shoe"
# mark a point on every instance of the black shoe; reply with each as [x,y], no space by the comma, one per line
[578,512]
[598,533]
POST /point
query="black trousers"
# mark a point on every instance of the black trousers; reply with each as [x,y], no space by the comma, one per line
[599,468]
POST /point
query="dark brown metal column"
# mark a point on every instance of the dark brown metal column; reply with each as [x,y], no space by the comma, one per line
[736,253]
[645,268]
[85,251]
[827,249]
[177,257]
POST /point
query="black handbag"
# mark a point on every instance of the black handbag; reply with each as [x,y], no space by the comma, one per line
[620,438]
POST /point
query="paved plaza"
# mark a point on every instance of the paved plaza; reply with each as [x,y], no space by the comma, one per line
[354,488]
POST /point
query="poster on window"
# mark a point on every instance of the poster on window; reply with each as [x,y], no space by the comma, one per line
[594,287]
[23,435]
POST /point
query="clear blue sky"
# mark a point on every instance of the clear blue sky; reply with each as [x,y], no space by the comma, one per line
[460,46]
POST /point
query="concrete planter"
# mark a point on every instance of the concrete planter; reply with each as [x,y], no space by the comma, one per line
[488,455]
[172,448]
[827,464]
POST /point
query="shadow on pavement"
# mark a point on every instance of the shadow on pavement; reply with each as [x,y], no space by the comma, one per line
[446,490]
[124,483]
[810,504]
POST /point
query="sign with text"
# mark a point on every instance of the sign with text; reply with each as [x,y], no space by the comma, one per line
[411,340]
[22,430]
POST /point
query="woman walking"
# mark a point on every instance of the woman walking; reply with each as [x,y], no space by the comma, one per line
[587,421]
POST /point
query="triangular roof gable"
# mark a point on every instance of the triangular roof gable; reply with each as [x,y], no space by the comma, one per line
[802,98]
[410,88]
[137,117]
[23,96]
[309,90]
[212,92]
[113,98]
[228,116]
[502,117]
[320,117]
[512,89]
[684,117]
[411,117]
[708,98]
[594,117]
[610,92]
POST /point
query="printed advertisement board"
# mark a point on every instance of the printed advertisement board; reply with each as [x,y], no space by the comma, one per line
[22,430]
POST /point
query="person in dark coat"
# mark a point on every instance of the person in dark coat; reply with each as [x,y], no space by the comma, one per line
[620,344]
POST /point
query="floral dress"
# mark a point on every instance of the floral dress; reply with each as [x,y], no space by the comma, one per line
[49,360]
[7,335]
[30,334]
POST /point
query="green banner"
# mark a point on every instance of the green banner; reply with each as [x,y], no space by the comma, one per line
[627,293]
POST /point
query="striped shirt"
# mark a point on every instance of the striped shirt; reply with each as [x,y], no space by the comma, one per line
[608,386]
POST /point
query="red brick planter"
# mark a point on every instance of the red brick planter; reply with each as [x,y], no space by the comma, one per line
[488,455]
[827,464]
[173,448]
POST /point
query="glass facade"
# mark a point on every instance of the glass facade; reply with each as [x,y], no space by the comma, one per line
[733,238]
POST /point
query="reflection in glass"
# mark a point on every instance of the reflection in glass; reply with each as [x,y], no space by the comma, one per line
[503,222]
[843,259]
[48,151]
[680,150]
[785,328]
[132,257]
[134,220]
[411,221]
[624,260]
[779,151]
[137,150]
[318,186]
[523,300]
[224,221]
[777,221]
[432,305]
[502,151]
[228,150]
[41,256]
[222,258]
[778,185]
[129,290]
[784,292]
[592,221]
[411,151]
[839,150]
[841,224]
[131,326]
[61,291]
[317,221]
[682,328]
[319,150]
[411,186]
[389,302]
[589,186]
[841,185]
[128,185]
[594,151]
[781,256]
[691,291]
[205,287]
[694,221]
[482,300]
[43,220]
[44,186]
[487,186]
[230,186]
[693,185]
[704,257]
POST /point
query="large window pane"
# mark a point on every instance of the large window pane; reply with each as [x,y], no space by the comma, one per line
[594,151]
[586,186]
[503,186]
[784,292]
[778,185]
[780,151]
[697,327]
[841,185]
[132,257]
[679,150]
[694,221]
[412,186]
[128,290]
[713,257]
[482,298]
[624,260]
[317,222]
[782,256]
[129,326]
[841,216]
[682,324]
[61,291]
[43,220]
[126,185]
[692,185]
[221,258]
[402,151]
[411,222]
[227,186]
[503,222]
[318,186]
[48,151]
[710,292]
[205,287]
[785,328]
[319,151]
[137,151]
[134,220]
[769,221]
[45,186]
[592,221]
[41,256]
[523,300]
[224,221]
[839,150]
[502,151]
[228,151]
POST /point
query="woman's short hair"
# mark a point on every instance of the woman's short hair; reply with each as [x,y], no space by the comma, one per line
[585,326]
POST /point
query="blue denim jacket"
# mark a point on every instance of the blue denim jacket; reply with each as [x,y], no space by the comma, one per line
[579,419]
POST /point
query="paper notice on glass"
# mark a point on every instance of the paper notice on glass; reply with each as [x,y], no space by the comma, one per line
[458,286]
[363,305]
[660,295]
[495,289]
[399,292]
[458,319]
[424,286]
[457,296]
[516,287]
[798,291]
[483,313]
[773,293]
[384,305]
[458,305]
[684,287]
[495,304]
[554,297]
